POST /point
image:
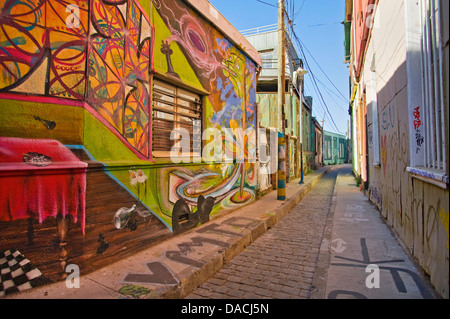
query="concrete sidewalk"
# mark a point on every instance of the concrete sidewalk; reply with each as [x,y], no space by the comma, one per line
[357,246]
[175,267]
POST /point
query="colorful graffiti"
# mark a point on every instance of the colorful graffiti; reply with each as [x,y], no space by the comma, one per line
[417,124]
[220,67]
[79,73]
[56,178]
[197,192]
[119,70]
[38,44]
[444,218]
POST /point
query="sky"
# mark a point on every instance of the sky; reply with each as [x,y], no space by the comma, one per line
[317,24]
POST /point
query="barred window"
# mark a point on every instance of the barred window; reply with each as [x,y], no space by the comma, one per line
[175,108]
[427,119]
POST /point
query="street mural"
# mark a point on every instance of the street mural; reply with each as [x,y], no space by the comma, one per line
[76,78]
[79,50]
[230,77]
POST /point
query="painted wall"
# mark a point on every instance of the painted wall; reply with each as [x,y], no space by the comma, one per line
[269,116]
[416,209]
[318,136]
[363,12]
[76,79]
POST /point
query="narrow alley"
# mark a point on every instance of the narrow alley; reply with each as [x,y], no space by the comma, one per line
[205,150]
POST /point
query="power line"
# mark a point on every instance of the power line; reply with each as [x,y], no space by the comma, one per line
[330,91]
[269,4]
[301,45]
[314,80]
[319,25]
[322,107]
[322,70]
[301,7]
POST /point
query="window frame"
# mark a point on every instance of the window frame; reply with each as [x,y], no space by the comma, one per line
[176,106]
[268,63]
[427,111]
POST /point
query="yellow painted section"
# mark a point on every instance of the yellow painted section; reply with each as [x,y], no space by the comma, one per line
[179,62]
[28,120]
[103,144]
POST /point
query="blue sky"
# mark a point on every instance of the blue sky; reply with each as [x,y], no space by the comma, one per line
[317,24]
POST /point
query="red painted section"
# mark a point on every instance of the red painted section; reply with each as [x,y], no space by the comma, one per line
[40,179]
[363,14]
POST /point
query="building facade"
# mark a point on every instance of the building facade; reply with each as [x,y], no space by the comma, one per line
[318,141]
[334,148]
[298,108]
[400,122]
[104,109]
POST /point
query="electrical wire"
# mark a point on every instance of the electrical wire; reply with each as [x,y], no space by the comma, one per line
[319,25]
[269,4]
[301,7]
[315,83]
[301,45]
[323,71]
[290,8]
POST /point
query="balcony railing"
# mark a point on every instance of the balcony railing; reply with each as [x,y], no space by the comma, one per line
[259,30]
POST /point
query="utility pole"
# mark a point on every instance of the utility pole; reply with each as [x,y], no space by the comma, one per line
[302,73]
[281,188]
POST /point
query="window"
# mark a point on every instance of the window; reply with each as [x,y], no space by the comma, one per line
[427,116]
[267,59]
[373,126]
[174,109]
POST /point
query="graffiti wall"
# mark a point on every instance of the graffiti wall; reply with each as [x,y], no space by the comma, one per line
[79,180]
[416,208]
[78,51]
[192,51]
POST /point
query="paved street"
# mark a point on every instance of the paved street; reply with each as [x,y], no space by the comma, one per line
[361,246]
[281,263]
[321,250]
[326,241]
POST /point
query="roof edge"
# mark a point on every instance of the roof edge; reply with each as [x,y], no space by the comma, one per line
[205,8]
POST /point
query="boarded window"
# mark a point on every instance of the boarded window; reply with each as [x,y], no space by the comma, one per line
[174,109]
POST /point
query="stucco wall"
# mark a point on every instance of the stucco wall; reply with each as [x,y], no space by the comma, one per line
[416,209]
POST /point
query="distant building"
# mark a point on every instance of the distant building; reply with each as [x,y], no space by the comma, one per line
[334,148]
[318,144]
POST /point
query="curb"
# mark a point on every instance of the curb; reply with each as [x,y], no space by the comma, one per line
[189,283]
[190,258]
